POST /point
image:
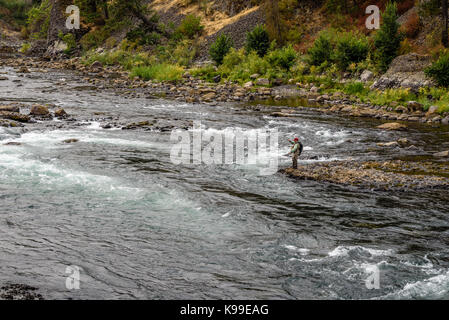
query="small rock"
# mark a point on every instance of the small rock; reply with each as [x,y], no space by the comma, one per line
[217,78]
[262,82]
[208,96]
[414,106]
[247,85]
[403,142]
[432,110]
[96,65]
[60,113]
[401,109]
[13,144]
[443,154]
[314,89]
[367,76]
[70,141]
[254,76]
[392,126]
[389,144]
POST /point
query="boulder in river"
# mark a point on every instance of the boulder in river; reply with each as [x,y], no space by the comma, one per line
[39,110]
[392,126]
[60,113]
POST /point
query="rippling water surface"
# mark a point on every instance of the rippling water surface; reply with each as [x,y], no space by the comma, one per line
[139,226]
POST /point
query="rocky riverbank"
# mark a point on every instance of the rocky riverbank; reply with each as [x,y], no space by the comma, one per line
[194,90]
[383,176]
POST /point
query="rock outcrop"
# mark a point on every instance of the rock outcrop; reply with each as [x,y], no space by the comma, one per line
[406,71]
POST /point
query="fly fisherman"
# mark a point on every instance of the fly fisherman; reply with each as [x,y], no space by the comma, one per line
[295,151]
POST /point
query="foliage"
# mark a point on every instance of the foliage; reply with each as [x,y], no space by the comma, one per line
[190,27]
[69,40]
[283,58]
[350,48]
[258,40]
[38,20]
[220,48]
[321,49]
[439,70]
[158,72]
[387,40]
[16,10]
[143,36]
[354,88]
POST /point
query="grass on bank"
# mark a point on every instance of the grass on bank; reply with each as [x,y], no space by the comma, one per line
[158,72]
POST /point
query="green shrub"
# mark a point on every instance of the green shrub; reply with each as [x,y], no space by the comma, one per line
[190,27]
[354,88]
[350,48]
[258,40]
[220,48]
[321,50]
[38,20]
[25,47]
[159,72]
[387,40]
[69,40]
[239,67]
[283,58]
[16,11]
[143,36]
[207,72]
[439,70]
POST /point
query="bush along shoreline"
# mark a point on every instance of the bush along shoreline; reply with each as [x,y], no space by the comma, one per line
[341,71]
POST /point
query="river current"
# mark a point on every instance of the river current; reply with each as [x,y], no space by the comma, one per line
[141,227]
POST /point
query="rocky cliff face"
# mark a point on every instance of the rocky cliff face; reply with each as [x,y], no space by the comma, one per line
[406,71]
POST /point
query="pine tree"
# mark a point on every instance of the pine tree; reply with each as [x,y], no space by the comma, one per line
[388,38]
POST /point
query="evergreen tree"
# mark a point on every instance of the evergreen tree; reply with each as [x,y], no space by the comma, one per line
[388,39]
[220,48]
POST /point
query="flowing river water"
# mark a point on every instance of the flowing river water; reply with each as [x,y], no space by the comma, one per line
[139,226]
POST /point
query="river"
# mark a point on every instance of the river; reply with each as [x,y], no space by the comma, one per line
[140,227]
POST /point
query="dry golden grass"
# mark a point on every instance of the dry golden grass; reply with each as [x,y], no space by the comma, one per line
[213,21]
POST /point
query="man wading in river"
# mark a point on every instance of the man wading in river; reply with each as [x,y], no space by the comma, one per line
[296,151]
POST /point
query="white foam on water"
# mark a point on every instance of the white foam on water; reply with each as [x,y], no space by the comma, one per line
[345,250]
[327,133]
[53,139]
[17,169]
[302,251]
[436,287]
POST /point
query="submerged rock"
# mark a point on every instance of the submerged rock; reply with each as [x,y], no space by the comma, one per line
[70,141]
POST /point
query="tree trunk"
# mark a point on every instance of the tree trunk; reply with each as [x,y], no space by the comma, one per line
[445,40]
